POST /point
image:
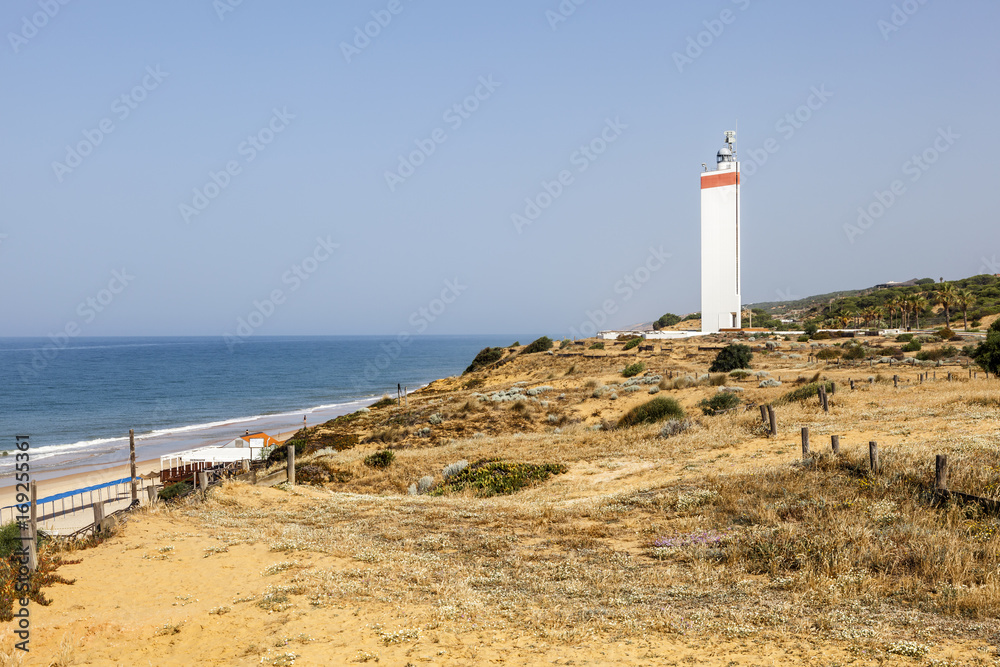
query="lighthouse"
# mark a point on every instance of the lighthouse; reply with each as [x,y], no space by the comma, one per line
[721,305]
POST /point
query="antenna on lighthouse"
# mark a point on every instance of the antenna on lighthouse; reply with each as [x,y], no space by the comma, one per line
[731,141]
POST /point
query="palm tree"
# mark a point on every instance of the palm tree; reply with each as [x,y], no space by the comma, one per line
[919,303]
[946,297]
[897,304]
[964,299]
[904,310]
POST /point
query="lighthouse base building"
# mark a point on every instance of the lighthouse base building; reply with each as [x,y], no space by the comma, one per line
[721,305]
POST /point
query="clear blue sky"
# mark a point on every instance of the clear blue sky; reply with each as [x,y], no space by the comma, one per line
[198,81]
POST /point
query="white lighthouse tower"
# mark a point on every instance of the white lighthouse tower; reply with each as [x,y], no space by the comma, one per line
[721,305]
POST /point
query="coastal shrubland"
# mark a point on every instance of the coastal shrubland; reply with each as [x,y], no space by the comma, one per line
[535,516]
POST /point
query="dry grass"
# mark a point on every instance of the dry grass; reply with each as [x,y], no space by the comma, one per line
[716,531]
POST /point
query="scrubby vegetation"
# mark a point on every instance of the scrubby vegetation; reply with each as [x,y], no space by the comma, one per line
[486,358]
[175,490]
[723,400]
[599,345]
[495,478]
[987,353]
[731,357]
[807,391]
[632,344]
[633,369]
[543,344]
[666,320]
[656,410]
[381,459]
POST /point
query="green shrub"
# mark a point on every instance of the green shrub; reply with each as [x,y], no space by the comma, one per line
[633,369]
[496,478]
[940,353]
[912,346]
[542,344]
[821,335]
[384,402]
[946,333]
[656,410]
[724,400]
[175,490]
[486,357]
[730,358]
[904,338]
[987,353]
[381,459]
[280,453]
[10,539]
[516,343]
[804,338]
[810,328]
[633,343]
[828,353]
[692,316]
[597,346]
[566,342]
[803,393]
[854,352]
[666,320]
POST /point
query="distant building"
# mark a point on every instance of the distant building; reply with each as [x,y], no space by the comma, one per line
[892,283]
[721,304]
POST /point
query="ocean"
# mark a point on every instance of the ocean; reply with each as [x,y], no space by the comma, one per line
[77,402]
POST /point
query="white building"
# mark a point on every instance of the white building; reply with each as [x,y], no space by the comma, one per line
[721,306]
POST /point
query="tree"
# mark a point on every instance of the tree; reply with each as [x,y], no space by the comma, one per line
[919,302]
[730,358]
[946,297]
[666,320]
[987,353]
[964,299]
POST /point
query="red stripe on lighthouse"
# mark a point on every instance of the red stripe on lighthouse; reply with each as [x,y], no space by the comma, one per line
[719,180]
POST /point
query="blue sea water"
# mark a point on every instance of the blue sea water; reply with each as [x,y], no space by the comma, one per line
[78,402]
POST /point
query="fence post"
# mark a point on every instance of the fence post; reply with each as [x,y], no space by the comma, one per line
[34,508]
[772,420]
[291,465]
[805,443]
[833,387]
[873,456]
[852,385]
[763,414]
[98,516]
[835,444]
[131,464]
[941,472]
[151,492]
[29,541]
[895,381]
